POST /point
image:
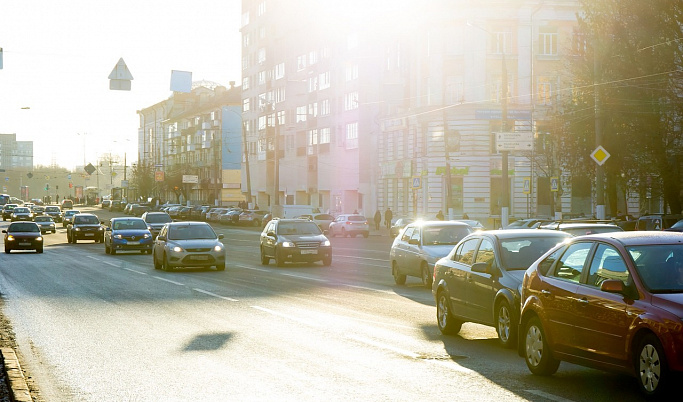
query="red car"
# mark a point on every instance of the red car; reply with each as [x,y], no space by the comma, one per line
[611,301]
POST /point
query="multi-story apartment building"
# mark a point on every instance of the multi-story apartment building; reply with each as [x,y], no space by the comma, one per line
[197,135]
[364,115]
[15,154]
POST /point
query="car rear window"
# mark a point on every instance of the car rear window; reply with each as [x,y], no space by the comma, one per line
[357,218]
[158,218]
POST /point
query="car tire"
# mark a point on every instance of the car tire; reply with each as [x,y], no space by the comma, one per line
[537,354]
[7,250]
[112,251]
[220,267]
[157,265]
[279,261]
[39,250]
[652,370]
[447,323]
[165,264]
[505,324]
[399,278]
[264,258]
[327,261]
[425,275]
[107,250]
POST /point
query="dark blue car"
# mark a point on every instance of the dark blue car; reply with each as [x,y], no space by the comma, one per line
[128,234]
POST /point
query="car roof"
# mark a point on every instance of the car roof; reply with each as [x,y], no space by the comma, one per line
[123,218]
[516,233]
[437,223]
[639,237]
[187,223]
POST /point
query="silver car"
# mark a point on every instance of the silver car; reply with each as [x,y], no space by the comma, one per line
[420,245]
[188,244]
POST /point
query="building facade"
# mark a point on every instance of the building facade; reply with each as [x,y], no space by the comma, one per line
[15,154]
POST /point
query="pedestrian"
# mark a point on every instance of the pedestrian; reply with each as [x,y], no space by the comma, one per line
[387,217]
[378,219]
[439,215]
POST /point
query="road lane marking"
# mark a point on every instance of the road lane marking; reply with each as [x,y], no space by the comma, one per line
[289,317]
[547,395]
[361,258]
[303,277]
[111,263]
[214,295]
[391,292]
[137,272]
[95,258]
[448,364]
[168,280]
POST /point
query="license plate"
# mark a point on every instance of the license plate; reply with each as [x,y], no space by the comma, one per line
[90,234]
[133,243]
[200,257]
[309,251]
[24,244]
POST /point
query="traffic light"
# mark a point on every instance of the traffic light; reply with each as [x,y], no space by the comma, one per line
[71,185]
[47,186]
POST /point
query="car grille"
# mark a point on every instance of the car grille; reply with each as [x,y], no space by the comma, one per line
[133,238]
[308,244]
[198,250]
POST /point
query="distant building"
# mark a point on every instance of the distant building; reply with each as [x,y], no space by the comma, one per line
[15,154]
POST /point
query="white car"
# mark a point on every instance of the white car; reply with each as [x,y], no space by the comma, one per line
[349,225]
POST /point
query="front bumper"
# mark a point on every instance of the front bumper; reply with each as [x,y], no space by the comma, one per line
[294,254]
[196,259]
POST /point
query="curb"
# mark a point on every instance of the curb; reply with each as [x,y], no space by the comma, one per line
[15,376]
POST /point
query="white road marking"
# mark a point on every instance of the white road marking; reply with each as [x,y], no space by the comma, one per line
[168,280]
[303,277]
[137,272]
[391,292]
[111,263]
[289,317]
[547,395]
[214,295]
[252,268]
[95,258]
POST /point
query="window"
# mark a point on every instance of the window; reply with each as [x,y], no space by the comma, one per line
[547,41]
[351,101]
[486,253]
[261,8]
[246,38]
[352,135]
[325,135]
[544,266]
[279,71]
[312,84]
[301,114]
[572,262]
[607,264]
[352,72]
[407,233]
[312,57]
[416,234]
[579,43]
[262,76]
[245,83]
[501,42]
[497,89]
[544,90]
[245,104]
[325,107]
[313,109]
[324,80]
[465,252]
[312,137]
[301,62]
[262,122]
[261,55]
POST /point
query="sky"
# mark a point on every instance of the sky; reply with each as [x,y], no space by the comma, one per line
[54,86]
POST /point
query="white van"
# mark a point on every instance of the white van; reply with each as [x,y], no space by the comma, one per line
[292,211]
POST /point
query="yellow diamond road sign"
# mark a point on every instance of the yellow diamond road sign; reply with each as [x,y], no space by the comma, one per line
[600,155]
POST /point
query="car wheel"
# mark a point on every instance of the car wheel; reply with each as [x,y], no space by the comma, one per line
[107,250]
[447,323]
[157,265]
[7,250]
[652,367]
[220,267]
[39,250]
[426,275]
[505,324]
[166,266]
[537,354]
[113,251]
[399,278]
[327,261]
[279,261]
[264,259]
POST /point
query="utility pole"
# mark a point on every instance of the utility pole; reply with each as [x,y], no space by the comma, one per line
[504,128]
[600,173]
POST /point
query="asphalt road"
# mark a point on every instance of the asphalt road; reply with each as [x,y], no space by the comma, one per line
[95,327]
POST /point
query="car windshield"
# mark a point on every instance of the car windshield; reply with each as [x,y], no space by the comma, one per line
[21,210]
[23,227]
[520,253]
[158,218]
[440,235]
[659,266]
[52,209]
[187,232]
[86,220]
[71,212]
[43,219]
[298,228]
[130,224]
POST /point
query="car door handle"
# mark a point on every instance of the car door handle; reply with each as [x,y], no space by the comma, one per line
[582,302]
[546,293]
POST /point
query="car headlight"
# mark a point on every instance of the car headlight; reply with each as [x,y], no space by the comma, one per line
[39,238]
[287,244]
[326,243]
[100,228]
[10,238]
[146,236]
[217,248]
[77,229]
[118,236]
[177,249]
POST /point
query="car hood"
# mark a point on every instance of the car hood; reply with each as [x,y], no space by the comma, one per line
[25,235]
[131,232]
[194,243]
[671,302]
[298,238]
[438,251]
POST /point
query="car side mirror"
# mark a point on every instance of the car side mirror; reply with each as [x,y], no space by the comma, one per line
[481,267]
[613,286]
[162,238]
[4,231]
[108,229]
[271,234]
[414,241]
[220,236]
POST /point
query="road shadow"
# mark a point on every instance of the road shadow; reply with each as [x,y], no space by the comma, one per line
[207,342]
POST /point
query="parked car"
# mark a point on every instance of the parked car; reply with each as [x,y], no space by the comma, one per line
[127,234]
[421,245]
[657,221]
[400,223]
[54,212]
[155,221]
[475,224]
[294,240]
[7,211]
[251,217]
[349,225]
[116,205]
[188,244]
[531,223]
[581,229]
[21,214]
[479,280]
[184,213]
[23,236]
[84,227]
[231,217]
[609,301]
[46,224]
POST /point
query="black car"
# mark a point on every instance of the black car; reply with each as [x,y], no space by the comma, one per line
[85,227]
[54,212]
[155,221]
[480,279]
[294,240]
[7,211]
[23,236]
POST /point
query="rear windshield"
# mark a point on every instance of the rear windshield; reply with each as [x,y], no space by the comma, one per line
[659,266]
[52,209]
[43,219]
[21,210]
[158,218]
[357,218]
[444,235]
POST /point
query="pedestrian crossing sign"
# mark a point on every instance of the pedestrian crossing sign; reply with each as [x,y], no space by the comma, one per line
[554,184]
[527,185]
[417,182]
